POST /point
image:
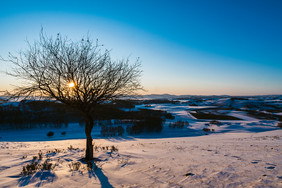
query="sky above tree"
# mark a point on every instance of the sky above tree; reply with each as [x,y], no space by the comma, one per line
[186,47]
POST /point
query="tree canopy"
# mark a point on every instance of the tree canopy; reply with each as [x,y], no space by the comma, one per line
[79,74]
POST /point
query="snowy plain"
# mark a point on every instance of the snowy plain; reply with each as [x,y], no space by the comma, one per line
[238,153]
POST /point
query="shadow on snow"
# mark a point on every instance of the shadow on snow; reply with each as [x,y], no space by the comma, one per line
[43,177]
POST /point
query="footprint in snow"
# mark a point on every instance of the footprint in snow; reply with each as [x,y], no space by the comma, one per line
[238,158]
[255,161]
[270,164]
[189,174]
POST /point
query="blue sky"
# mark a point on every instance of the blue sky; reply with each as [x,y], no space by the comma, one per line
[187,47]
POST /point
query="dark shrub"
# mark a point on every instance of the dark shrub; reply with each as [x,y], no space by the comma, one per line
[279,125]
[29,168]
[40,155]
[178,124]
[74,166]
[150,124]
[49,134]
[47,165]
[114,149]
[112,131]
[35,166]
[215,122]
[63,133]
[206,130]
[169,116]
[120,130]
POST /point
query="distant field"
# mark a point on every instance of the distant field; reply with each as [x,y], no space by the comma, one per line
[213,116]
[262,115]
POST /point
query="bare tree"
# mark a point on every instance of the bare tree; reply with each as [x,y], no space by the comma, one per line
[78,74]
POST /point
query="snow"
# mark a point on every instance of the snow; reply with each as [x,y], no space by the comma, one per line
[237,153]
[217,160]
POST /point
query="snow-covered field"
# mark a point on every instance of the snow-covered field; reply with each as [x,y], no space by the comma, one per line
[217,160]
[236,153]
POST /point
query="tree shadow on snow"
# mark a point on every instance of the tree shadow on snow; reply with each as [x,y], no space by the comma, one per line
[43,177]
[94,171]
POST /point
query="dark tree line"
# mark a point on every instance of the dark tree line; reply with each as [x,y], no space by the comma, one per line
[44,112]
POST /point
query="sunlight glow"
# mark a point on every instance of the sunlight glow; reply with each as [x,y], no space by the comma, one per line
[71,84]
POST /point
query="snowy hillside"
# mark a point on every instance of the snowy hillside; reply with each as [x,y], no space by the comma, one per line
[218,160]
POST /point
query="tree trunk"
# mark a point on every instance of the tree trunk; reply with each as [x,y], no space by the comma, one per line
[89,145]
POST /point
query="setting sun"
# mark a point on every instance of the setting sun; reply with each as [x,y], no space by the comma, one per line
[71,84]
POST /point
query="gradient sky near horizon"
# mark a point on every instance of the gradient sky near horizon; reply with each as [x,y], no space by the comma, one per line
[201,47]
